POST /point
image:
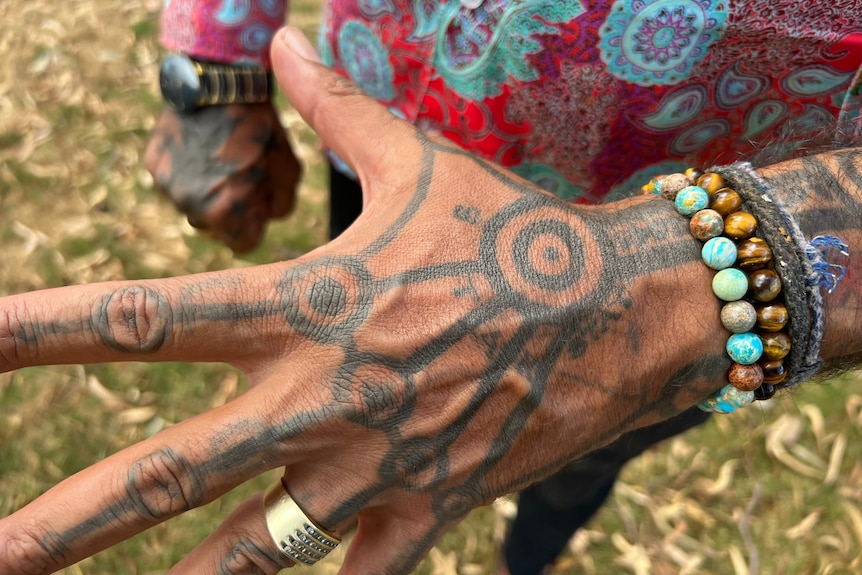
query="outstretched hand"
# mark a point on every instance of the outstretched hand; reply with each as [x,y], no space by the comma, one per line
[467,336]
[229,169]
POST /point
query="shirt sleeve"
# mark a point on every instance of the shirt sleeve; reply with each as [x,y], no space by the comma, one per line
[224,31]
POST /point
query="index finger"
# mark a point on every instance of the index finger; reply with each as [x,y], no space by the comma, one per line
[235,316]
[194,318]
[183,467]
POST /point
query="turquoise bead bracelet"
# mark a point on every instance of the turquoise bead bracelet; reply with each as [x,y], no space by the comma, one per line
[742,280]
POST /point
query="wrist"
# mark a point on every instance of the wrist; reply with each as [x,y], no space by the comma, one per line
[669,354]
[187,84]
[680,308]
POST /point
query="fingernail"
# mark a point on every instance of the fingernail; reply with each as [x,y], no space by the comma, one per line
[296,41]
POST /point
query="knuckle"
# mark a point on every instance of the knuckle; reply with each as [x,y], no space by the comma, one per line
[249,557]
[164,182]
[327,300]
[197,207]
[456,504]
[17,337]
[339,93]
[26,552]
[161,485]
[340,87]
[134,319]
[210,208]
[328,296]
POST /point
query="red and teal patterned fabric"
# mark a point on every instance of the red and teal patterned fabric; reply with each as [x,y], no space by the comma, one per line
[587,98]
[226,31]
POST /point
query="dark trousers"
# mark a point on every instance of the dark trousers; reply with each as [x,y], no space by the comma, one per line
[549,512]
[345,202]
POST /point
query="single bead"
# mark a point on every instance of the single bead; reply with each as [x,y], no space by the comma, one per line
[730,284]
[740,226]
[744,348]
[669,186]
[765,285]
[693,174]
[726,400]
[775,345]
[753,254]
[725,202]
[718,253]
[774,371]
[738,316]
[764,392]
[745,377]
[690,200]
[772,317]
[711,182]
[706,224]
[648,189]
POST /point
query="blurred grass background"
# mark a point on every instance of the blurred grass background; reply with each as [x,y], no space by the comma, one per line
[773,490]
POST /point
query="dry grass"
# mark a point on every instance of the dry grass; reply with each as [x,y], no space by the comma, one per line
[773,490]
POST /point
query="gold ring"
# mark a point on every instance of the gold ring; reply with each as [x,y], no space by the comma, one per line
[293,532]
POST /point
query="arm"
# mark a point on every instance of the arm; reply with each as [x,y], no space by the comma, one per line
[229,168]
[448,348]
[824,192]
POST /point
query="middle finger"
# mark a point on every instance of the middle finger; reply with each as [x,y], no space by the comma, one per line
[183,467]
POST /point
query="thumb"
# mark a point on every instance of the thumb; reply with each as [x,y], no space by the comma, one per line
[357,128]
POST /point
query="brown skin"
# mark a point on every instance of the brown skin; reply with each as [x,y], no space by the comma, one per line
[230,169]
[450,347]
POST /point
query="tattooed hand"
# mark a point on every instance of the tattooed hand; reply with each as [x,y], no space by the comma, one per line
[228,168]
[468,336]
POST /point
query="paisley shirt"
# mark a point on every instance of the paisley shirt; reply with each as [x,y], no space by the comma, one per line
[226,31]
[587,98]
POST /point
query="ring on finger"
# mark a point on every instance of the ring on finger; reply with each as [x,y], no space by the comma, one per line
[294,533]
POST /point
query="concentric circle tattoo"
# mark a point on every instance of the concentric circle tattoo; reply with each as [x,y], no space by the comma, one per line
[328,300]
[455,503]
[373,395]
[416,464]
[534,254]
[134,319]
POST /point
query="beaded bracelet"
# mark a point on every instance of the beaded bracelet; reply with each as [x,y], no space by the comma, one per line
[803,265]
[754,311]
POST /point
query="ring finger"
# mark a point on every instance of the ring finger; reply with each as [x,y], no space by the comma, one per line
[265,534]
